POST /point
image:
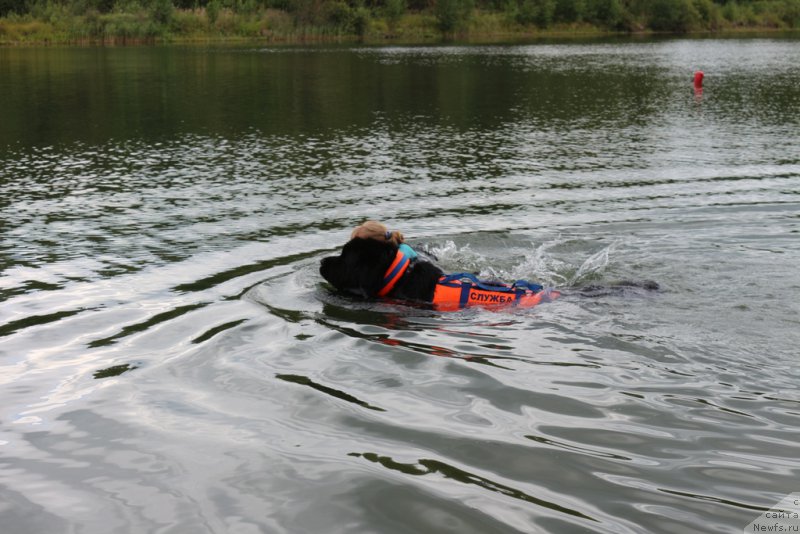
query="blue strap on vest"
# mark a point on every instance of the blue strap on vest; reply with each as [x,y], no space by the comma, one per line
[463,297]
[519,287]
[530,286]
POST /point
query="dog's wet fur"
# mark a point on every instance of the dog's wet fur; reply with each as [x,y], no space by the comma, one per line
[359,269]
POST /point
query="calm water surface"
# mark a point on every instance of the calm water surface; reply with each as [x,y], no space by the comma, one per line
[172,362]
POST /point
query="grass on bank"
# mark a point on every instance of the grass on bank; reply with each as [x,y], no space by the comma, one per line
[131,21]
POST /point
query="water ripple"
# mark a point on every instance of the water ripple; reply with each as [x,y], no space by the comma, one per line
[171,358]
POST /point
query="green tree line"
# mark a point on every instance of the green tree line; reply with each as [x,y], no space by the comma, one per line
[66,20]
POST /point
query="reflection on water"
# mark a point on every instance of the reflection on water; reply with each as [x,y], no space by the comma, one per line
[171,359]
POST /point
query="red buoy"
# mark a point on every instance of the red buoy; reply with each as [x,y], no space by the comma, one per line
[698,79]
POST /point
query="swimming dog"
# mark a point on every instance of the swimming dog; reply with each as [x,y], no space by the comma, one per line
[371,268]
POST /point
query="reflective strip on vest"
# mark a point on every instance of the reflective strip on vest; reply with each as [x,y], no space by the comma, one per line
[394,273]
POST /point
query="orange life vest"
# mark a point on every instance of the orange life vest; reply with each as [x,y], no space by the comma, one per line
[456,291]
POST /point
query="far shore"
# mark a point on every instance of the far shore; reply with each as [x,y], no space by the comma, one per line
[276,27]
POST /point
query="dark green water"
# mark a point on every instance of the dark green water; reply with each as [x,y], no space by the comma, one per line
[171,361]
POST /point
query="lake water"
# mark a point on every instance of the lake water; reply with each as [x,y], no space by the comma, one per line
[171,361]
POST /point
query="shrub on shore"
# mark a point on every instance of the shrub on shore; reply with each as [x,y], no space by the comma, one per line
[149,20]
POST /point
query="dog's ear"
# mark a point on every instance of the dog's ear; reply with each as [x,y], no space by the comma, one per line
[331,270]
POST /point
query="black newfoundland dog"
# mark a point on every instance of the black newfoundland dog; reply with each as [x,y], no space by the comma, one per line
[363,266]
[360,269]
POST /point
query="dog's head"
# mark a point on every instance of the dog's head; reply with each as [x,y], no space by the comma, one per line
[360,267]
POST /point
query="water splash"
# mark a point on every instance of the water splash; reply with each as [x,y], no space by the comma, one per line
[593,267]
[452,257]
[543,266]
[558,262]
